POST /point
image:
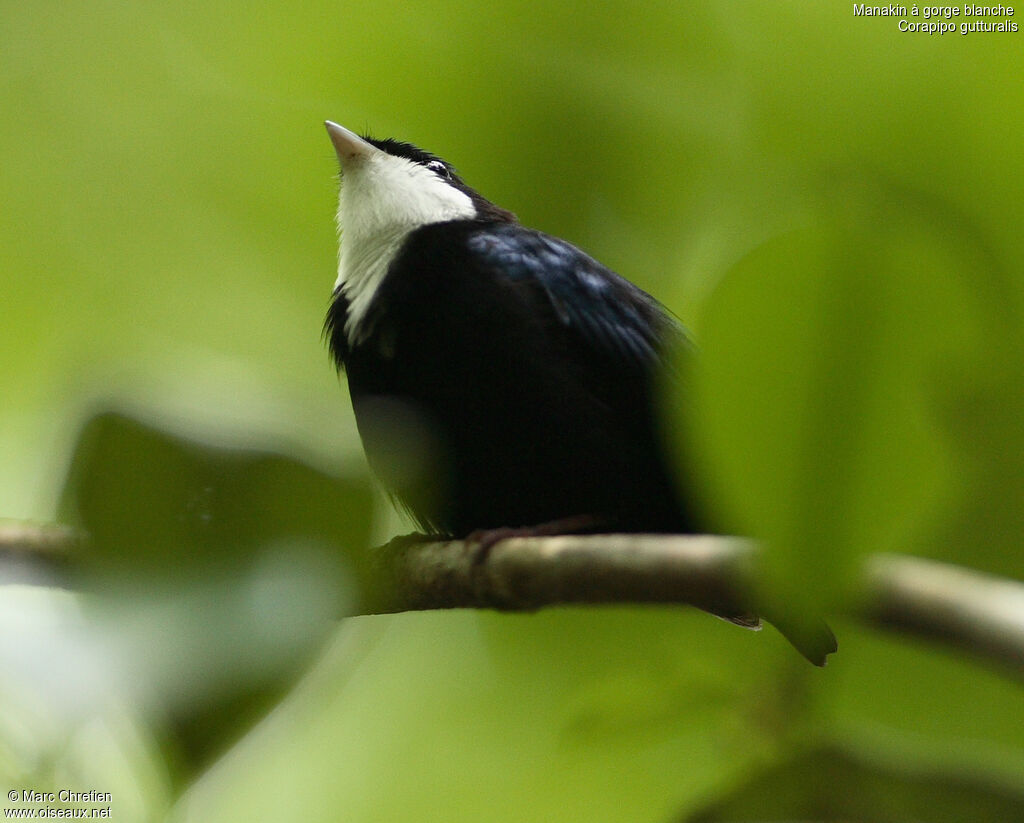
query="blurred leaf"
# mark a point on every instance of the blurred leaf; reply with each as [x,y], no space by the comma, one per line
[583,714]
[155,503]
[984,526]
[831,784]
[827,355]
[922,704]
[217,572]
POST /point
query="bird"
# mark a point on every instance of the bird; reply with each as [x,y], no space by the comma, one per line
[503,380]
[500,376]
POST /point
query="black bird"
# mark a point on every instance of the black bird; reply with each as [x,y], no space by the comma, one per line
[500,377]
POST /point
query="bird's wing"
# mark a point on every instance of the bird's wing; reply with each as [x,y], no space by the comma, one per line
[587,299]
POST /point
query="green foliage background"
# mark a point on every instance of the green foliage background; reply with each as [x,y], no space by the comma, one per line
[833,206]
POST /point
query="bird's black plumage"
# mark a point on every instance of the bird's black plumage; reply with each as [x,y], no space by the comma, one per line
[530,369]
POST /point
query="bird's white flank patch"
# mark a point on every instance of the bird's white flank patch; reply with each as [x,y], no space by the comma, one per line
[383,198]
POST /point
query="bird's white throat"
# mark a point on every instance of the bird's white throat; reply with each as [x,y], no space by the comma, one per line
[383,198]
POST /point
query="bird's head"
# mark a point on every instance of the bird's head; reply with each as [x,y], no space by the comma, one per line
[389,188]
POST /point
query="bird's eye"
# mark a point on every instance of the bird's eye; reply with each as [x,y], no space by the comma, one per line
[439,167]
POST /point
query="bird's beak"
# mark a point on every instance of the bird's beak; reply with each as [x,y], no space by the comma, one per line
[348,144]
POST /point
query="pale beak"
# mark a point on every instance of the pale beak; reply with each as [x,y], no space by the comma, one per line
[348,144]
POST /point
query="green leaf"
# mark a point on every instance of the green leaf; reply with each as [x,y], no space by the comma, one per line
[216,573]
[154,502]
[832,784]
[828,355]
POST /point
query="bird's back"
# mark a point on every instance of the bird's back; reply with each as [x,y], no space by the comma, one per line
[505,378]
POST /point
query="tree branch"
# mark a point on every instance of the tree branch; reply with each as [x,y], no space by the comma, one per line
[527,573]
[977,612]
[952,605]
[40,540]
[34,552]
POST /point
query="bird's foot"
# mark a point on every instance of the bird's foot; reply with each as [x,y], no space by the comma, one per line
[482,541]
